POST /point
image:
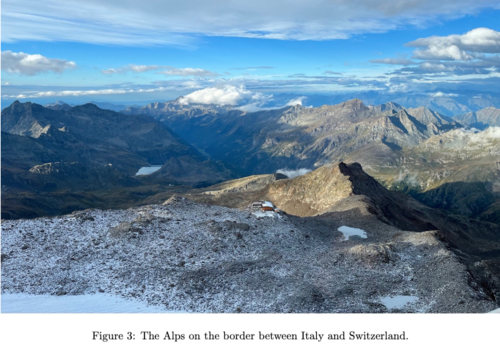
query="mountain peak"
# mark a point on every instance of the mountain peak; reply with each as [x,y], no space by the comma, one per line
[58,105]
[354,102]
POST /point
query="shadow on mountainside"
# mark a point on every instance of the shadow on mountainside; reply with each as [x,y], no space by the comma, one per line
[464,198]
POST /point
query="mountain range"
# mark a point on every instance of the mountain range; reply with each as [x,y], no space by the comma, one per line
[408,149]
[442,161]
[85,148]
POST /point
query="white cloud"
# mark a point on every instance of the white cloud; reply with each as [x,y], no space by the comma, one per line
[292,173]
[7,83]
[32,64]
[297,101]
[143,68]
[457,47]
[198,72]
[166,22]
[253,107]
[442,94]
[112,71]
[226,95]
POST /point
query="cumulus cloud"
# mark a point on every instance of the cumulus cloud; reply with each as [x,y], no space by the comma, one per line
[292,173]
[442,58]
[32,64]
[331,72]
[226,95]
[457,47]
[166,22]
[198,72]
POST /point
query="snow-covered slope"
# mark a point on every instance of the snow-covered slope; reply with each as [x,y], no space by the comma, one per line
[185,256]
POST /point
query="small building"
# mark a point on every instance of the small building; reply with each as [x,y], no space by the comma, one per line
[265,206]
[257,204]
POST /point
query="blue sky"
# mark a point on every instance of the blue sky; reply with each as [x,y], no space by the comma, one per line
[230,52]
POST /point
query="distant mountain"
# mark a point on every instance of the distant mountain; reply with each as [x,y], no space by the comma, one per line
[161,110]
[449,102]
[458,171]
[61,105]
[391,142]
[301,137]
[110,106]
[88,148]
[481,119]
[98,134]
[58,106]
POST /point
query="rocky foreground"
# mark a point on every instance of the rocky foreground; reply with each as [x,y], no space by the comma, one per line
[194,257]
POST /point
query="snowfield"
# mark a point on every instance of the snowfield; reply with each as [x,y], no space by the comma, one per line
[86,303]
[185,256]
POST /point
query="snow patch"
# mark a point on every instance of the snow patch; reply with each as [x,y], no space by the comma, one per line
[87,303]
[397,302]
[351,231]
[148,170]
[266,214]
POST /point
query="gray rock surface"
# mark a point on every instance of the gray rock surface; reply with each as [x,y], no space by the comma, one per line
[193,257]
